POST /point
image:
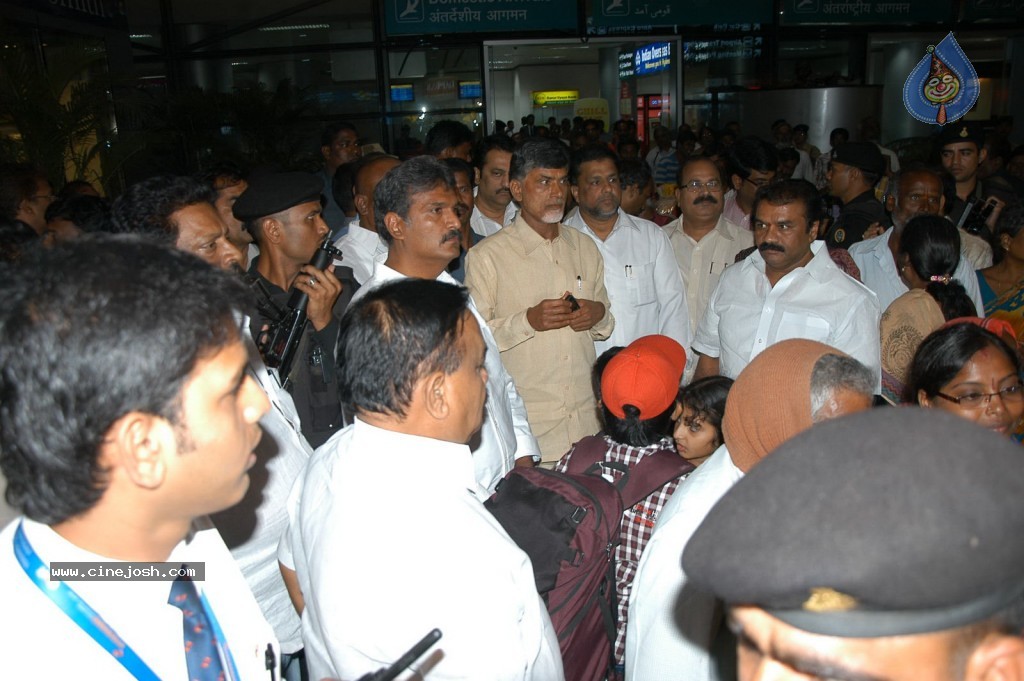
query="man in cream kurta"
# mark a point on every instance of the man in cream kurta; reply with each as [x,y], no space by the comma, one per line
[519,279]
[703,240]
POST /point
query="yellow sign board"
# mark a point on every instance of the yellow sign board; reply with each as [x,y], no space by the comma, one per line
[548,97]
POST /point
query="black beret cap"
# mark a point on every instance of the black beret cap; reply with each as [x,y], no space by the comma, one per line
[884,523]
[962,131]
[270,193]
[863,155]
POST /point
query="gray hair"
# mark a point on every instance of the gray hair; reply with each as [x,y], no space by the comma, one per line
[832,373]
[537,152]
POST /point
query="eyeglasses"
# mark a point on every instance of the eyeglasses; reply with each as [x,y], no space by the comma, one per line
[1011,393]
[48,197]
[696,185]
[759,183]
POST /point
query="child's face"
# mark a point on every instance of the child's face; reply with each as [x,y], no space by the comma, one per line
[695,439]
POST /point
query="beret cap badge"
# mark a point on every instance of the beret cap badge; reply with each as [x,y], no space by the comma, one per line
[826,599]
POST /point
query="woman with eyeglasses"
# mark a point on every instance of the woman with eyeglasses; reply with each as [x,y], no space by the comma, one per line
[969,371]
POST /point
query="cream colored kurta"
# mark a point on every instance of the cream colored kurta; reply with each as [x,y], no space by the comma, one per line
[702,262]
[515,269]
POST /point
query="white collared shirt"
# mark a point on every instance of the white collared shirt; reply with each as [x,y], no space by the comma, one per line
[818,302]
[878,271]
[283,452]
[47,644]
[390,540]
[702,262]
[483,225]
[505,434]
[643,281]
[670,624]
[360,250]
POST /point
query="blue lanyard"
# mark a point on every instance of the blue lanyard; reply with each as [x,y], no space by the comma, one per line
[89,620]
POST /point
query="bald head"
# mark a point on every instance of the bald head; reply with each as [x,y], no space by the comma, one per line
[367,176]
[917,191]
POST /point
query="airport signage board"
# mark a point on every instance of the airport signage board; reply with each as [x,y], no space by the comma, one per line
[799,12]
[632,16]
[549,97]
[420,17]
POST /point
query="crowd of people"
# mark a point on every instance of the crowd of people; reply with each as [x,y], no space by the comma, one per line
[309,384]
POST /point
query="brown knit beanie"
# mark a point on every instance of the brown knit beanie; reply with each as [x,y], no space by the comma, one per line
[770,401]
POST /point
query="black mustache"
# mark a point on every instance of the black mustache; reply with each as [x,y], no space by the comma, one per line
[771,247]
[453,235]
[707,198]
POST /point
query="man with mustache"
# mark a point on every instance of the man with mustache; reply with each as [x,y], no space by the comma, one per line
[704,241]
[417,205]
[540,287]
[916,190]
[493,207]
[640,273]
[788,288]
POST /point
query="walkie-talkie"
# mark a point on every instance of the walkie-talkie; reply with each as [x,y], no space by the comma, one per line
[392,672]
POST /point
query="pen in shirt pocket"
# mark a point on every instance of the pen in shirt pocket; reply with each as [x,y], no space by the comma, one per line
[579,284]
[629,271]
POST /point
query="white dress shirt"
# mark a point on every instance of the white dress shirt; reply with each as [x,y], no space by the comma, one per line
[390,540]
[804,168]
[643,281]
[505,435]
[670,627]
[252,528]
[878,271]
[360,250]
[46,643]
[702,262]
[818,302]
[483,225]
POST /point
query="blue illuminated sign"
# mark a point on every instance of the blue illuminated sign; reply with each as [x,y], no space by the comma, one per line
[652,58]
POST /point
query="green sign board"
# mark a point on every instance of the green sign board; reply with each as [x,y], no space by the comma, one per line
[796,12]
[993,10]
[417,17]
[621,16]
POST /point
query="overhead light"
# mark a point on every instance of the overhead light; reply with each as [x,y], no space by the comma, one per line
[293,27]
[139,36]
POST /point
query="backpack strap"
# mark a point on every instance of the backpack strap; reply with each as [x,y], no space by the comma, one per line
[651,473]
[586,453]
[648,475]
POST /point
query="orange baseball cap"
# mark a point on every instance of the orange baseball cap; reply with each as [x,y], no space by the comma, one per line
[646,375]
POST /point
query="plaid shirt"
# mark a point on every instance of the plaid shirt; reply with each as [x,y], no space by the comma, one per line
[637,524]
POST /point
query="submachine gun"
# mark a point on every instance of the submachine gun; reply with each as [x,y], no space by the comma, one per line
[278,344]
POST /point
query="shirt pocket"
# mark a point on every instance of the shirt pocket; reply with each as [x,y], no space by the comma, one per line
[640,284]
[803,325]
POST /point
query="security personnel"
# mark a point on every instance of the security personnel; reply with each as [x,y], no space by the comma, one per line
[883,545]
[282,212]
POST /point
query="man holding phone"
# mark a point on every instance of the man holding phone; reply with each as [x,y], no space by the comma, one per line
[549,303]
